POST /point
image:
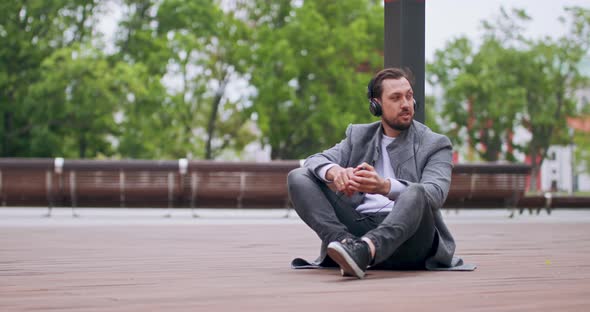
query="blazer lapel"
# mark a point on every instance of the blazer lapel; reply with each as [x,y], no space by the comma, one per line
[402,149]
[374,152]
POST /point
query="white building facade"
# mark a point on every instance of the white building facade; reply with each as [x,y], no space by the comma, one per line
[560,174]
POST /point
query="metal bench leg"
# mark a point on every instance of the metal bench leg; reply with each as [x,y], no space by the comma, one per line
[288,209]
[49,212]
[49,190]
[548,200]
[287,201]
[170,194]
[194,181]
[73,194]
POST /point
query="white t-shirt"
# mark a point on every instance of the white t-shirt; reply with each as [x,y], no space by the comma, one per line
[377,202]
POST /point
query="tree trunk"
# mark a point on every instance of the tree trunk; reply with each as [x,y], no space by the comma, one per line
[534,174]
[5,148]
[213,117]
[535,168]
[274,155]
[470,121]
[510,145]
[281,153]
[82,146]
[142,9]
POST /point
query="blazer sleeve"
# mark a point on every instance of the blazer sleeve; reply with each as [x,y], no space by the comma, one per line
[338,154]
[437,170]
[436,176]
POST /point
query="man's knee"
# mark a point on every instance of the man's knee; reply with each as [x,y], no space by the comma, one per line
[297,178]
[415,190]
[299,184]
[416,195]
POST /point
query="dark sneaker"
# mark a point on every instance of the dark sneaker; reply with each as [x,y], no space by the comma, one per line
[352,254]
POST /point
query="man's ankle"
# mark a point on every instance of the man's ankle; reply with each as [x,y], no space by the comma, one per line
[371,246]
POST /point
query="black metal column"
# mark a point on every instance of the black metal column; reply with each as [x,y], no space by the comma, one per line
[404,42]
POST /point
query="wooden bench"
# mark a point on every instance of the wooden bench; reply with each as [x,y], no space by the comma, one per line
[238,184]
[550,201]
[212,184]
[120,183]
[487,185]
[132,183]
[27,182]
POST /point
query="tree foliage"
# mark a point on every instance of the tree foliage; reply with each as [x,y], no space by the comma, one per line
[311,65]
[199,49]
[475,82]
[205,78]
[31,32]
[76,97]
[511,82]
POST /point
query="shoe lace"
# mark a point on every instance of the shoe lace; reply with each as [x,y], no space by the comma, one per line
[353,243]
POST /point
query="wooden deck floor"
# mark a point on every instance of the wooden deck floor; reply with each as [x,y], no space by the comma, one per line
[523,266]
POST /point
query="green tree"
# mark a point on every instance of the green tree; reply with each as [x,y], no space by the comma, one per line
[481,89]
[31,31]
[200,50]
[310,67]
[581,139]
[513,81]
[209,47]
[550,76]
[78,95]
[146,120]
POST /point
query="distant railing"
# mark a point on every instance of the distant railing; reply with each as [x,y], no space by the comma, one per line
[143,183]
[210,184]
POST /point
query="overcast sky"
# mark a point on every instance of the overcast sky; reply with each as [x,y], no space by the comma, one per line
[447,19]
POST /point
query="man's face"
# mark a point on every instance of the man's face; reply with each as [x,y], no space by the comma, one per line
[397,101]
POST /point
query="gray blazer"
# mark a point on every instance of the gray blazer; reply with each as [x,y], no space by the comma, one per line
[418,155]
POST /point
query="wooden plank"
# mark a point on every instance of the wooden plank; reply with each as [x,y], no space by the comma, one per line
[531,266]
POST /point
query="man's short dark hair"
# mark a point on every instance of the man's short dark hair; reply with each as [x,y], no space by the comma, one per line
[388,73]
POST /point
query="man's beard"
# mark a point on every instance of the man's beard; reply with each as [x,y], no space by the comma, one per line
[398,125]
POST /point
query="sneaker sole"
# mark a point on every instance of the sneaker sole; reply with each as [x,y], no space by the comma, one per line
[348,266]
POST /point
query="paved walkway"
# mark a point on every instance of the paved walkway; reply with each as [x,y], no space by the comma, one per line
[239,261]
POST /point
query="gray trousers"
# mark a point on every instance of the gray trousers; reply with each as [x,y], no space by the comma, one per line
[404,238]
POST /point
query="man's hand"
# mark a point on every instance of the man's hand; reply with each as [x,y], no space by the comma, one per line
[365,179]
[341,178]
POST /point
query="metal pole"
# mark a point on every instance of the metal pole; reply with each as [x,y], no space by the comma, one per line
[3,202]
[404,43]
[170,193]
[194,186]
[121,188]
